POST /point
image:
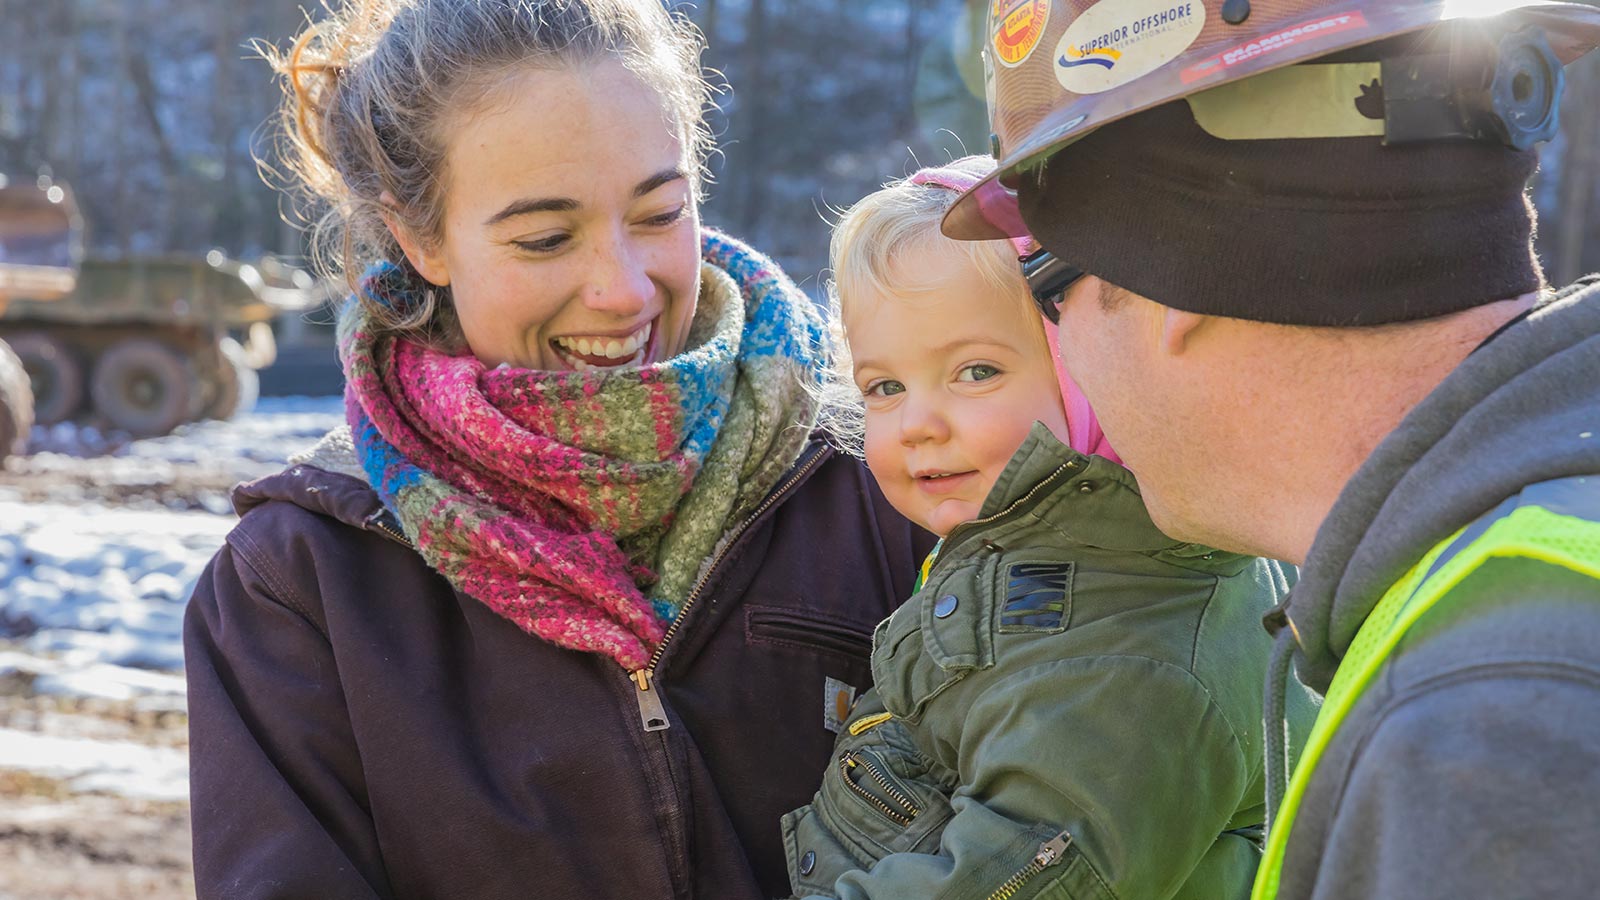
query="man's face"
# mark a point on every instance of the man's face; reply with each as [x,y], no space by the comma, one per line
[1152,410]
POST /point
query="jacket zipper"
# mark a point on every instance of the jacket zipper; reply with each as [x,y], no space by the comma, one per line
[652,714]
[964,527]
[377,523]
[854,760]
[1050,853]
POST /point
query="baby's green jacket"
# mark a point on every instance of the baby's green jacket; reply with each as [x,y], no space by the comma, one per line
[1071,707]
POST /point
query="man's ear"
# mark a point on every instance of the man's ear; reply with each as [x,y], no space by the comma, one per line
[1179,328]
[423,257]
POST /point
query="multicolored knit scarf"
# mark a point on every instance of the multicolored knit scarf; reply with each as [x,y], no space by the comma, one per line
[582,505]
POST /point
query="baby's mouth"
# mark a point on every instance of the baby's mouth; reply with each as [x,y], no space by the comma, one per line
[943,482]
[582,352]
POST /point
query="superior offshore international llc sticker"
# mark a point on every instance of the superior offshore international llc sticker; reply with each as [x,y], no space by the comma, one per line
[1018,26]
[1117,41]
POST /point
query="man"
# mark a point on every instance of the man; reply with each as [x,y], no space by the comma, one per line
[1314,328]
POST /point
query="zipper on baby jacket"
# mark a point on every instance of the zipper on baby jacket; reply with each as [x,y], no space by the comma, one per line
[959,533]
[892,802]
[652,713]
[1050,853]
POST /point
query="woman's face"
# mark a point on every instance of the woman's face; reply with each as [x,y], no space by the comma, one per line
[571,236]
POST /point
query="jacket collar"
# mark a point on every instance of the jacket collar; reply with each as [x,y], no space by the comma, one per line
[1086,501]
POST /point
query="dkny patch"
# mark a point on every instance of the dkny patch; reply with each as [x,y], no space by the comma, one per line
[1038,597]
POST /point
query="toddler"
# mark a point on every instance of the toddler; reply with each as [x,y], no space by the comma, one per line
[1070,704]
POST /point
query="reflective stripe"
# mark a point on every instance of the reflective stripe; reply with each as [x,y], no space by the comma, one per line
[1515,529]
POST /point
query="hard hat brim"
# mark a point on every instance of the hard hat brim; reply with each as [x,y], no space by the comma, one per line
[989,209]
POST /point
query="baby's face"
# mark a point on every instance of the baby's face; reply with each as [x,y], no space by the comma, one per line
[953,378]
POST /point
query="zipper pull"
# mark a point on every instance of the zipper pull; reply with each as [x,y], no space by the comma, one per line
[651,711]
[1051,851]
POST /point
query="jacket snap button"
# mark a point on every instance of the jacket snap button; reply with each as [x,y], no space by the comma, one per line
[945,606]
[808,862]
[1085,487]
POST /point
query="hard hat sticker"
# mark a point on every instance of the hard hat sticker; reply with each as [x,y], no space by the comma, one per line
[1294,35]
[1117,41]
[1018,25]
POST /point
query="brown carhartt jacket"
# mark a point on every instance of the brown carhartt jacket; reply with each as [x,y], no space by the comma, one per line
[359,729]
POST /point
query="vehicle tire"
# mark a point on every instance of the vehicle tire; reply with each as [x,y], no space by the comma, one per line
[16,404]
[55,374]
[144,387]
[238,386]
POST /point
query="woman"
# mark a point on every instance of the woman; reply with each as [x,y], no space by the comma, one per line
[568,609]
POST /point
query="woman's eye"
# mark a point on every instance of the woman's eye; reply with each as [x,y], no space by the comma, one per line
[884,388]
[978,372]
[667,218]
[545,245]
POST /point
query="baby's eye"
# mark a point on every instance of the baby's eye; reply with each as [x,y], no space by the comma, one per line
[978,372]
[883,388]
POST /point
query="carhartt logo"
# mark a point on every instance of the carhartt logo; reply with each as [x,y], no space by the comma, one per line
[1038,596]
[1370,103]
[837,700]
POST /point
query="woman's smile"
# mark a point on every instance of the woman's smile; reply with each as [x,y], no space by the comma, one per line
[605,351]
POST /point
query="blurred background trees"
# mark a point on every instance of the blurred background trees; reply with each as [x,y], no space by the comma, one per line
[154,109]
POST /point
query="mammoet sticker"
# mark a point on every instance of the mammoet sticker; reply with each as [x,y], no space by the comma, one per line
[1294,35]
[1018,25]
[1117,41]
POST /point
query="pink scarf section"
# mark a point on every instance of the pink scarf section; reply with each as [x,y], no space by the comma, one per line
[1083,426]
[513,517]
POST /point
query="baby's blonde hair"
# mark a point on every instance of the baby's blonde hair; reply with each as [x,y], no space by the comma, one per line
[867,241]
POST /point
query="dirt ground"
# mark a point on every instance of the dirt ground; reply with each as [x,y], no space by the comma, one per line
[136,483]
[58,843]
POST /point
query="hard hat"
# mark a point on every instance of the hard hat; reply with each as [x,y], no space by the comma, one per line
[1056,70]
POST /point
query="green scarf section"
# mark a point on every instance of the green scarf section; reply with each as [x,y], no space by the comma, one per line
[584,505]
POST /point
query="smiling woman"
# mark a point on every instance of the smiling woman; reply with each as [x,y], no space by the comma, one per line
[511,631]
[595,251]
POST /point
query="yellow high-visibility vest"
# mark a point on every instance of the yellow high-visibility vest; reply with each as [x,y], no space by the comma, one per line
[1555,522]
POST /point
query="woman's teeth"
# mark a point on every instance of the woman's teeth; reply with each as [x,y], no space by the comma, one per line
[589,352]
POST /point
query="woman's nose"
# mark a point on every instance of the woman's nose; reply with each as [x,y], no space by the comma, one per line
[619,282]
[922,421]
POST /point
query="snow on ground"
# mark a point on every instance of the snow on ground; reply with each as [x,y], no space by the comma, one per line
[118,767]
[99,584]
[101,542]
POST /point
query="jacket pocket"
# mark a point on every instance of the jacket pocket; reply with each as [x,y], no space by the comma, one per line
[815,856]
[864,774]
[806,630]
[880,796]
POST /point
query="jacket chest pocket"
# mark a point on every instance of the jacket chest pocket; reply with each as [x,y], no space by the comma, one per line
[808,630]
[939,636]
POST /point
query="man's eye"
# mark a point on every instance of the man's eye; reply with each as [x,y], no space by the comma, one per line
[884,388]
[978,372]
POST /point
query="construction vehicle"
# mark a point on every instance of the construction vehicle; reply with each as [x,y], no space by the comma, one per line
[143,345]
[40,246]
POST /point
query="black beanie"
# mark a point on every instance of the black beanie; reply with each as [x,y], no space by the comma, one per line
[1324,231]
